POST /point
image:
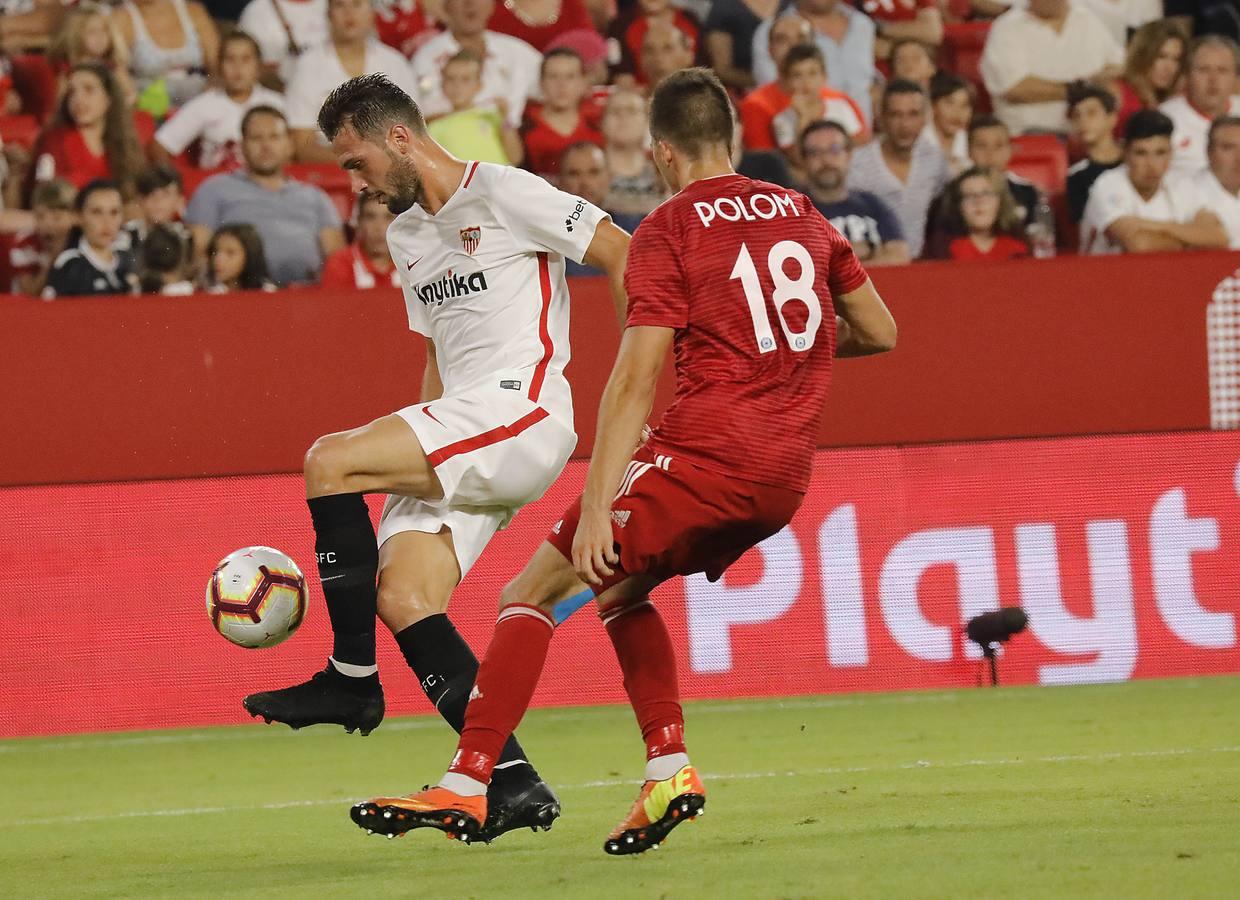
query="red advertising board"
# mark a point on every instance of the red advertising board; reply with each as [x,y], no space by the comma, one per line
[1124,551]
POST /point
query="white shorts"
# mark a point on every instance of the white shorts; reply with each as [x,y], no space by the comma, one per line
[494,451]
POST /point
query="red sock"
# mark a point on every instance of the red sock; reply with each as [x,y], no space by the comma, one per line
[648,662]
[503,689]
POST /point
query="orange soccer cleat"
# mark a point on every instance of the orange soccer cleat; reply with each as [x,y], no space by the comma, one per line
[461,818]
[660,807]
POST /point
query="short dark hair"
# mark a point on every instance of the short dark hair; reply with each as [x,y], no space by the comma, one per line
[97,186]
[236,35]
[986,120]
[579,145]
[560,53]
[369,104]
[1218,125]
[823,125]
[690,110]
[163,253]
[1147,123]
[58,193]
[799,53]
[1080,91]
[157,177]
[901,86]
[254,273]
[261,110]
[944,84]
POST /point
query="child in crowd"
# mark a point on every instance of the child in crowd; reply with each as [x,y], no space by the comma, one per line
[34,250]
[92,264]
[803,74]
[91,136]
[560,122]
[366,263]
[951,108]
[979,209]
[235,261]
[161,199]
[88,35]
[1092,112]
[213,118]
[165,261]
[469,131]
[636,188]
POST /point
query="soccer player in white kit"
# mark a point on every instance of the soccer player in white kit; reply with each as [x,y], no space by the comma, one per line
[480,250]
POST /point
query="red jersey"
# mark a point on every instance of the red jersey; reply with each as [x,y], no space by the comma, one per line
[745,272]
[1005,247]
[544,145]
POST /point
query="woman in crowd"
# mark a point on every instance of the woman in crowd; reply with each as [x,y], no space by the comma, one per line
[538,22]
[1153,70]
[91,135]
[173,48]
[980,211]
[88,35]
[91,265]
[729,32]
[235,261]
[636,188]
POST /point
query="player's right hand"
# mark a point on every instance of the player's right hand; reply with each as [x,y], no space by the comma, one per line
[594,546]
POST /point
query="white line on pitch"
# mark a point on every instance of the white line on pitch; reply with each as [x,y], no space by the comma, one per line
[618,782]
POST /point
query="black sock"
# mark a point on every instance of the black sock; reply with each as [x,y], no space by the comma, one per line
[348,557]
[446,668]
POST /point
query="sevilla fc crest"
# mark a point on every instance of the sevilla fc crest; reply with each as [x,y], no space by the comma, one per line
[471,238]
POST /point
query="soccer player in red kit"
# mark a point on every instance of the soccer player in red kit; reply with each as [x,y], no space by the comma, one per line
[756,292]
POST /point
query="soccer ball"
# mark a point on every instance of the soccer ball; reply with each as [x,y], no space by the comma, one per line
[256,597]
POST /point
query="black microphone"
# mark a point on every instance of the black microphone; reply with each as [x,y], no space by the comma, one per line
[996,627]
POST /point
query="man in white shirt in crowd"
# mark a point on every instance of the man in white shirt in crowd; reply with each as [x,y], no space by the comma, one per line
[1210,86]
[284,30]
[1219,185]
[899,168]
[213,118]
[510,67]
[353,50]
[1034,52]
[1133,209]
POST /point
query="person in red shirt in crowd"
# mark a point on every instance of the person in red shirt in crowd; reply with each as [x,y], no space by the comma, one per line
[539,22]
[628,32]
[401,24]
[366,263]
[1153,69]
[92,135]
[979,208]
[774,115]
[560,121]
[900,20]
[33,251]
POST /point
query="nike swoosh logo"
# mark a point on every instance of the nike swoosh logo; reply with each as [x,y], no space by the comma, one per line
[333,577]
[409,266]
[427,410]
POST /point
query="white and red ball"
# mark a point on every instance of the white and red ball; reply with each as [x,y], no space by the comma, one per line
[256,597]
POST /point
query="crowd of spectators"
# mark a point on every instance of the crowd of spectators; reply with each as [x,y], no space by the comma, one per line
[170,146]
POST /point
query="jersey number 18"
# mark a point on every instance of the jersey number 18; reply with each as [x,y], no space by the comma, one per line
[799,288]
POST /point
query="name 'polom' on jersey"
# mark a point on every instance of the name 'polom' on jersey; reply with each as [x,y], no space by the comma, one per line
[748,209]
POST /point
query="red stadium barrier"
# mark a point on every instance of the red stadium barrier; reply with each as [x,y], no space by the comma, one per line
[139,388]
[1125,551]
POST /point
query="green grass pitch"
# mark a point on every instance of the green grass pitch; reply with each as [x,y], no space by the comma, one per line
[1129,790]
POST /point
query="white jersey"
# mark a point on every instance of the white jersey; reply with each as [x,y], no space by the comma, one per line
[214,120]
[484,279]
[1113,197]
[1192,130]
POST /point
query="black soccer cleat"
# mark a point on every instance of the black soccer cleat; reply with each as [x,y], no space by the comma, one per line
[328,698]
[460,818]
[518,798]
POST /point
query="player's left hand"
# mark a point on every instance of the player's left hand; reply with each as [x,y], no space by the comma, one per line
[594,547]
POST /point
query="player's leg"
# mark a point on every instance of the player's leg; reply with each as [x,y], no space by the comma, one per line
[502,692]
[384,455]
[418,572]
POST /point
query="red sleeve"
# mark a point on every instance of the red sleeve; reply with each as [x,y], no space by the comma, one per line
[654,280]
[338,270]
[756,125]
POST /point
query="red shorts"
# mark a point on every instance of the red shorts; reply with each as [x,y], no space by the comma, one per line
[674,518]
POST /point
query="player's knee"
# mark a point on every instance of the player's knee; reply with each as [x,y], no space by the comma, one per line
[523,591]
[325,466]
[402,605]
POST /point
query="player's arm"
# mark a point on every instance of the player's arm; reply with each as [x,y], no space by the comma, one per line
[863,323]
[432,386]
[622,414]
[608,251]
